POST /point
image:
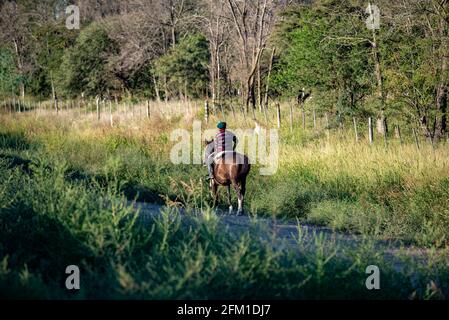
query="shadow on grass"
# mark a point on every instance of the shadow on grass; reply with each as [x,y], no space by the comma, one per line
[13,162]
[36,242]
[14,140]
[131,190]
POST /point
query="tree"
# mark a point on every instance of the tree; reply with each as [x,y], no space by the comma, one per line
[9,78]
[252,21]
[186,66]
[309,58]
[216,29]
[85,66]
[417,69]
[51,39]
[15,33]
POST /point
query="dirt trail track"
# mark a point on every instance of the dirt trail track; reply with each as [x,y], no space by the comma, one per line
[288,234]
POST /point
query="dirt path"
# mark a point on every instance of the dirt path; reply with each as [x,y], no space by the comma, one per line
[289,234]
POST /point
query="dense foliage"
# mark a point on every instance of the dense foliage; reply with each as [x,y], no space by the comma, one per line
[202,49]
[64,199]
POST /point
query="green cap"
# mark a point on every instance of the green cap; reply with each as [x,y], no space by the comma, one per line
[221,125]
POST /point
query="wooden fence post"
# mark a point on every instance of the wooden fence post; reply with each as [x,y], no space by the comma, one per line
[370,130]
[398,131]
[233,111]
[222,112]
[265,114]
[103,104]
[98,108]
[291,117]
[132,109]
[304,119]
[356,129]
[110,113]
[314,119]
[206,111]
[148,109]
[278,108]
[328,129]
[415,134]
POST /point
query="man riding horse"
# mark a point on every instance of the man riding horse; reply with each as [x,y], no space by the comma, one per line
[224,141]
[226,167]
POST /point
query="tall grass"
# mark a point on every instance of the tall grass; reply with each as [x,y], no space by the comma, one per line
[65,180]
[49,221]
[397,192]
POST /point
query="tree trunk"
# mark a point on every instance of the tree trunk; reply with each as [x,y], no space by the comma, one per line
[20,68]
[379,79]
[156,89]
[22,90]
[265,102]
[442,89]
[53,91]
[212,78]
[259,88]
[165,89]
[377,67]
[441,121]
[218,92]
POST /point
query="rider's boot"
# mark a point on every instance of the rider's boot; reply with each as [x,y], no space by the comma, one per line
[210,175]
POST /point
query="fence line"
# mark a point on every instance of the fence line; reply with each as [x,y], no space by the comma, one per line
[126,111]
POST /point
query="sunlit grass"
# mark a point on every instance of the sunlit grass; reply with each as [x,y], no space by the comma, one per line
[79,164]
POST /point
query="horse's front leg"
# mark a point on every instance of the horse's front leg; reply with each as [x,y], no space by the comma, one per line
[214,191]
[228,189]
[242,195]
[240,201]
[240,190]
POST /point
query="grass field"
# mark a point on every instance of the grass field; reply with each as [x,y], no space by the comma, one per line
[59,173]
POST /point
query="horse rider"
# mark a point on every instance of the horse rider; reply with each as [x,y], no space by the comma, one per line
[223,142]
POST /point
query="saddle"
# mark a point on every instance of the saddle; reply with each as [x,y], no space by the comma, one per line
[223,155]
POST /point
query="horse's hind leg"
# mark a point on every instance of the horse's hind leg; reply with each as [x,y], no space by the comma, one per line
[240,189]
[214,191]
[242,195]
[228,189]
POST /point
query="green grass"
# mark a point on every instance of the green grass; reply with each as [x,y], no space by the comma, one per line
[62,201]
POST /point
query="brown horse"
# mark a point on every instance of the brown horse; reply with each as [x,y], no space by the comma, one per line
[231,169]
